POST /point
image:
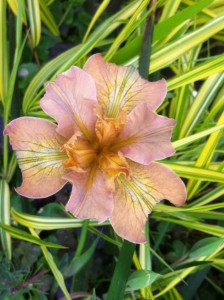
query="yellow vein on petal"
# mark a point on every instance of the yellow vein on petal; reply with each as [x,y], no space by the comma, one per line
[118,99]
[139,193]
[52,147]
[89,185]
[32,159]
[116,104]
[132,140]
[42,170]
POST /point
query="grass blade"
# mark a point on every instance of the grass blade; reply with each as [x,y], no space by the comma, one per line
[192,138]
[195,172]
[49,223]
[132,49]
[4,68]
[120,275]
[98,13]
[5,217]
[72,56]
[205,157]
[199,106]
[171,52]
[128,28]
[48,18]
[24,236]
[54,269]
[204,70]
[14,7]
[35,21]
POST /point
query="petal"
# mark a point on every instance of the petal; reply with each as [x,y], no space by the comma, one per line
[113,164]
[81,153]
[37,146]
[90,196]
[122,87]
[71,101]
[107,129]
[146,136]
[135,198]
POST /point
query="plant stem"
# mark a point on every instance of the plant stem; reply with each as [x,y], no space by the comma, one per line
[122,268]
[146,49]
[81,245]
[120,276]
[65,14]
[35,55]
[82,239]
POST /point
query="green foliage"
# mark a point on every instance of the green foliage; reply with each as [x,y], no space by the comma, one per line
[183,258]
[141,279]
[78,262]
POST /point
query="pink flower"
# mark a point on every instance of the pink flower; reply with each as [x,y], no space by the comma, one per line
[105,141]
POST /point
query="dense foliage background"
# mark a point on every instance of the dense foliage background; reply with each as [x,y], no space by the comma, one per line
[46,253]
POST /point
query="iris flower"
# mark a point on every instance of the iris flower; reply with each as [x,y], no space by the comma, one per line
[105,142]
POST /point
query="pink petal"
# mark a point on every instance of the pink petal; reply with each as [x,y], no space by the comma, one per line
[37,146]
[146,136]
[134,199]
[122,87]
[71,101]
[91,197]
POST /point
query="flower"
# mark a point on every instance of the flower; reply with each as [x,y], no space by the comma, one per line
[105,143]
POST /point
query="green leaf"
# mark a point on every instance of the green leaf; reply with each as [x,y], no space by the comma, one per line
[206,247]
[141,279]
[94,295]
[169,9]
[208,197]
[199,72]
[19,27]
[24,236]
[5,217]
[78,262]
[204,98]
[49,223]
[206,156]
[96,16]
[48,18]
[4,68]
[169,24]
[8,104]
[50,260]
[192,138]
[128,29]
[122,269]
[209,229]
[14,7]
[34,21]
[192,264]
[161,30]
[72,56]
[217,107]
[195,172]
[173,50]
[194,281]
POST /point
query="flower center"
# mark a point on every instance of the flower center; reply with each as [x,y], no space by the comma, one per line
[83,154]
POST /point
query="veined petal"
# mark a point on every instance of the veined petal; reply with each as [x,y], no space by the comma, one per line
[37,146]
[146,136]
[91,197]
[71,100]
[122,87]
[134,199]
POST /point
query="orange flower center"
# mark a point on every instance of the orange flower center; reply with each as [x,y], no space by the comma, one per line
[84,154]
